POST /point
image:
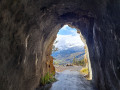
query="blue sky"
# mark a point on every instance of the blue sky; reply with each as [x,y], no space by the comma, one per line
[66,30]
[68,37]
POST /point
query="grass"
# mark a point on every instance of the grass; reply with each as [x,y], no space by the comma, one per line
[81,62]
[84,71]
[48,78]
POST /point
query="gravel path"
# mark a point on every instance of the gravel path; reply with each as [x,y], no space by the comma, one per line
[69,79]
[72,68]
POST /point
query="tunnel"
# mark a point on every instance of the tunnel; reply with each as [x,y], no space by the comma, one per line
[28,29]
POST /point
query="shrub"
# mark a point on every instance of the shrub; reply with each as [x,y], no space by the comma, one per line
[82,62]
[84,71]
[48,78]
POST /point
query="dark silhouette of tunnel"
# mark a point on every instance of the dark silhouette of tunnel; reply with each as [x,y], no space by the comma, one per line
[28,29]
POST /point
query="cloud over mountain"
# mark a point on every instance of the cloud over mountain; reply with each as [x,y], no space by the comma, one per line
[67,38]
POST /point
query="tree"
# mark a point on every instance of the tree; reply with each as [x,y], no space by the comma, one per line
[74,60]
[54,49]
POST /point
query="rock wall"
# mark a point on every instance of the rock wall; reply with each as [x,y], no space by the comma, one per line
[87,62]
[86,56]
[28,27]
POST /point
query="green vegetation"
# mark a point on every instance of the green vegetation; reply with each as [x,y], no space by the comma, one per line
[48,78]
[84,71]
[81,62]
[59,62]
[56,62]
[76,62]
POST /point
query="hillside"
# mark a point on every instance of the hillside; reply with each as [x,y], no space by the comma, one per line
[66,56]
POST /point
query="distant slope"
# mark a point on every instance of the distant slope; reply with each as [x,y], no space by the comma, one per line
[66,56]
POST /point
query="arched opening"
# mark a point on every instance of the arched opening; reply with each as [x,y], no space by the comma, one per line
[28,29]
[67,46]
[70,48]
[69,53]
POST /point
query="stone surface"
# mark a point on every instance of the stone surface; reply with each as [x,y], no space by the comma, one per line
[29,27]
[85,56]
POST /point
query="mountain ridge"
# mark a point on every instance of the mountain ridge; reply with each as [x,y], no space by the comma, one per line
[66,56]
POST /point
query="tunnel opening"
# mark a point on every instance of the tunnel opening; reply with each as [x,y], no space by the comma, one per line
[69,50]
[28,29]
[67,46]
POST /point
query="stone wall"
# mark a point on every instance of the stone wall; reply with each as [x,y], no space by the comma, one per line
[28,27]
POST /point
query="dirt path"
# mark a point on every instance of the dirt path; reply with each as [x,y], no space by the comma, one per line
[72,68]
[69,79]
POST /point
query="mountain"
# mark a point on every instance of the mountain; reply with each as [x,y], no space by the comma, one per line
[66,56]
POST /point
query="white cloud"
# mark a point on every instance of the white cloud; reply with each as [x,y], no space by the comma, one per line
[65,27]
[67,38]
[74,33]
[68,41]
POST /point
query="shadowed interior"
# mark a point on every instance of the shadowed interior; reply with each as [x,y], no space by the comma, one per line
[28,29]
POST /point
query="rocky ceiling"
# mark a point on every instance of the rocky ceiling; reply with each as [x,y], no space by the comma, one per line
[29,27]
